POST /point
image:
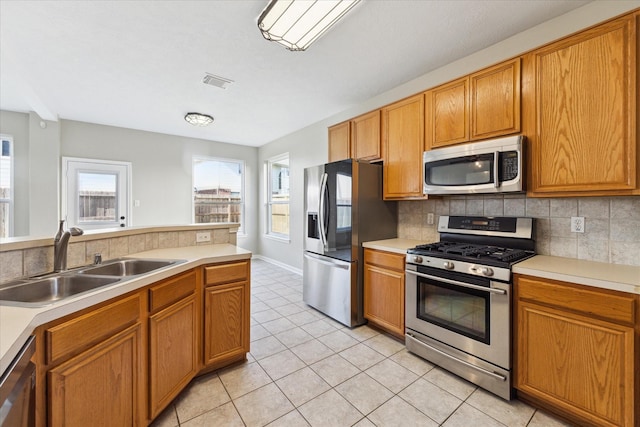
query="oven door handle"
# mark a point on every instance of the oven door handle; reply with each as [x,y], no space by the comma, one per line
[465,363]
[455,282]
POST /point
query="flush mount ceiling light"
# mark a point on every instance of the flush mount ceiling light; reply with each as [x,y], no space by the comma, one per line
[298,23]
[198,119]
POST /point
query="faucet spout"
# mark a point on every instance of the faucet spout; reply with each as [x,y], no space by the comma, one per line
[60,244]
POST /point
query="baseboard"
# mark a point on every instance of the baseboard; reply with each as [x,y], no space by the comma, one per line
[279,264]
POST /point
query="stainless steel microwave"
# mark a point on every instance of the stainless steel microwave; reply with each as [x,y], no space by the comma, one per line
[493,166]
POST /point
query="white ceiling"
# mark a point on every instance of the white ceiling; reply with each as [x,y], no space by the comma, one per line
[140,64]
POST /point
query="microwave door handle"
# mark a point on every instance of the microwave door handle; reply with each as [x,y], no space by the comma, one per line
[496,159]
[323,230]
[455,282]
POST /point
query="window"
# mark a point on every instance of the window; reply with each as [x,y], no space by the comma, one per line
[218,190]
[6,187]
[278,196]
[96,193]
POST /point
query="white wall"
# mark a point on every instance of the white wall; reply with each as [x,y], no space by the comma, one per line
[36,150]
[310,144]
[17,126]
[161,170]
[303,151]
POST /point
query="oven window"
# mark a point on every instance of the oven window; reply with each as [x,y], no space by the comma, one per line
[469,170]
[461,310]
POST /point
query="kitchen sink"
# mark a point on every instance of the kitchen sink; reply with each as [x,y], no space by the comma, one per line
[41,292]
[128,267]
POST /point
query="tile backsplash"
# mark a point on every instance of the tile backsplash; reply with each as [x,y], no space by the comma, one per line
[39,259]
[612,224]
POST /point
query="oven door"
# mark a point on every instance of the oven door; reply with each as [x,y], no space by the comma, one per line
[470,313]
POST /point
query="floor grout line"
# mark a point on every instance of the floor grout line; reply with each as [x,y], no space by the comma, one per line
[266,283]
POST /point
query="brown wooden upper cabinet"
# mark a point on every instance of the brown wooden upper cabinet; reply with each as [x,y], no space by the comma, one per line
[340,141]
[479,106]
[584,112]
[447,114]
[358,138]
[403,145]
[365,136]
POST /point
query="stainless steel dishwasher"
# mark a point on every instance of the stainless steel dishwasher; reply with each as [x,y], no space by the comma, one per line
[17,389]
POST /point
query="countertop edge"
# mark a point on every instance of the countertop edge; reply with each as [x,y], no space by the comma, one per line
[397,245]
[20,322]
[582,272]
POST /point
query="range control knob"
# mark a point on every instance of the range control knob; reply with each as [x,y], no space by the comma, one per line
[417,259]
[487,271]
[449,265]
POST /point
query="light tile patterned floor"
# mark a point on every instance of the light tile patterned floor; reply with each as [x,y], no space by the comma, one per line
[305,369]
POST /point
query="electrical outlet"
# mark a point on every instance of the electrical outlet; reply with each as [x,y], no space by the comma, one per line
[430,219]
[577,224]
[203,236]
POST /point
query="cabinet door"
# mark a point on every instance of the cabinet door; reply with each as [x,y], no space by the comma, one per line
[495,100]
[403,143]
[339,142]
[579,365]
[173,352]
[226,317]
[447,110]
[101,386]
[384,294]
[586,117]
[365,136]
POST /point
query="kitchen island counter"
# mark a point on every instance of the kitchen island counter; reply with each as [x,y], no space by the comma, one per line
[18,323]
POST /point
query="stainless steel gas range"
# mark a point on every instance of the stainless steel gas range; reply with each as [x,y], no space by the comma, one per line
[458,297]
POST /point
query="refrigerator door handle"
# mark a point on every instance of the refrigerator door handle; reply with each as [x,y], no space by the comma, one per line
[326,261]
[323,230]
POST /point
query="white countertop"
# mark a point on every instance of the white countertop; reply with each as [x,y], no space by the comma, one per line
[18,323]
[616,277]
[399,246]
[625,278]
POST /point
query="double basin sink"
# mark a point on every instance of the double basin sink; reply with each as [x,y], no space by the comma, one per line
[47,290]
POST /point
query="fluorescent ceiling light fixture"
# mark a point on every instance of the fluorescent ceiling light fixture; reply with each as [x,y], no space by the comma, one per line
[298,23]
[198,119]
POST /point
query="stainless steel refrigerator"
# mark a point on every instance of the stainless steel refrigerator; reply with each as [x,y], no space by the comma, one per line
[343,208]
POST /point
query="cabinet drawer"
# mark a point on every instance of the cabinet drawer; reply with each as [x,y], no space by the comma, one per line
[611,305]
[224,273]
[172,290]
[72,336]
[384,259]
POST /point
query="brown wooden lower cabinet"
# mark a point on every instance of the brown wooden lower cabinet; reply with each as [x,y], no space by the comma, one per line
[123,361]
[173,338]
[226,313]
[173,352]
[577,351]
[99,386]
[384,290]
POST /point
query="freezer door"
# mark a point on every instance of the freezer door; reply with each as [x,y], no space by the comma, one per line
[329,285]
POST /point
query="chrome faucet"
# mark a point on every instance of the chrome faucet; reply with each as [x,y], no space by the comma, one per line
[60,243]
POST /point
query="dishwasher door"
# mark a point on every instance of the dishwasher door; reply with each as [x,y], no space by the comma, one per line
[17,389]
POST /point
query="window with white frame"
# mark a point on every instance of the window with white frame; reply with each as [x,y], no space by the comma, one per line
[6,186]
[218,190]
[278,196]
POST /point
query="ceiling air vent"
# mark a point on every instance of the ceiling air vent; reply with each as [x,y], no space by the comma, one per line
[216,81]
